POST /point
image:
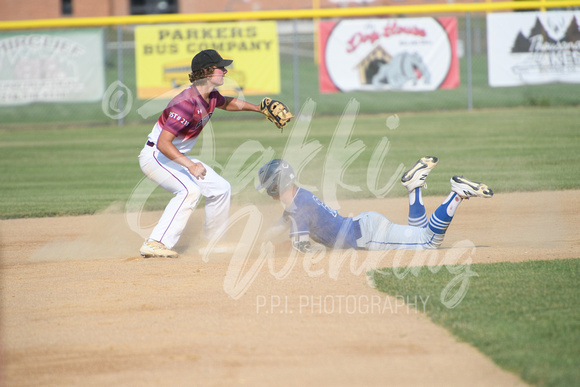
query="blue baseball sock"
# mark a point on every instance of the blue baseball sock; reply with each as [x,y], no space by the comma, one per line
[441,218]
[417,214]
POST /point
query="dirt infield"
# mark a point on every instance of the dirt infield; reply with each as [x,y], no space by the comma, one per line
[80,307]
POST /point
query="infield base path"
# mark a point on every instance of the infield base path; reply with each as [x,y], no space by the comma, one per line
[80,307]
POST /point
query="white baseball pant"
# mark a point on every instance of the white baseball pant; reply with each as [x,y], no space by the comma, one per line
[379,233]
[188,190]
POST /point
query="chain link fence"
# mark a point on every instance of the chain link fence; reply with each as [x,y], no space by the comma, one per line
[299,83]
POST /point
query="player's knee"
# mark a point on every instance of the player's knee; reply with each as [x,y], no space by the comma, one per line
[192,196]
[435,241]
[432,246]
[225,188]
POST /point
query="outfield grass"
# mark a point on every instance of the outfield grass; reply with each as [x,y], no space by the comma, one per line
[71,171]
[524,316]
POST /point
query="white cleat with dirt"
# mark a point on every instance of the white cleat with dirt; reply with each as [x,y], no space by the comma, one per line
[415,177]
[466,189]
[151,249]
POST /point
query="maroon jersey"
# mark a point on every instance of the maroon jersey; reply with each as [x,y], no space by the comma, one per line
[187,113]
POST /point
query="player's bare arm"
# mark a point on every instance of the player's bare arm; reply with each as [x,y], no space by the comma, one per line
[235,104]
[275,111]
[165,146]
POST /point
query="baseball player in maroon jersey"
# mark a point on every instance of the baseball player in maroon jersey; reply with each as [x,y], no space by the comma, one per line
[164,160]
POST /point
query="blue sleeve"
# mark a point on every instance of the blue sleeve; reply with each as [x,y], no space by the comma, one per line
[299,223]
[300,214]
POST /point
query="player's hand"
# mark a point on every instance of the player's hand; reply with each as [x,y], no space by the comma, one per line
[198,170]
[302,243]
[302,246]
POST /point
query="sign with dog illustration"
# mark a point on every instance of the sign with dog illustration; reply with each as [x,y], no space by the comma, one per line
[411,54]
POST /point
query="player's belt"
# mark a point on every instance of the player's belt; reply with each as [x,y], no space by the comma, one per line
[356,229]
[150,143]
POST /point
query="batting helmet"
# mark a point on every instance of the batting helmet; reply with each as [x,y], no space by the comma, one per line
[275,176]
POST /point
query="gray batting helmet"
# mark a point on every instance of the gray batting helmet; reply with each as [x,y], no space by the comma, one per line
[275,176]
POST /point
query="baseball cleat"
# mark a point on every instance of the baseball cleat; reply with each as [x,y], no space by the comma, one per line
[152,249]
[468,189]
[415,177]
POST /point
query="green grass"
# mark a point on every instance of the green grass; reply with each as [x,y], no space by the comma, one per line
[524,316]
[47,172]
[70,171]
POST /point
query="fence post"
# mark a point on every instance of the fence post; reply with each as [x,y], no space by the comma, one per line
[296,73]
[468,56]
[120,102]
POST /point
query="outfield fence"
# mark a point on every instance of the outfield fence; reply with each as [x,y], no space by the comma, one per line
[297,36]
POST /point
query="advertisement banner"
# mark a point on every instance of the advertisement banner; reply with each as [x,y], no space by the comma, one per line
[410,54]
[163,56]
[52,66]
[528,48]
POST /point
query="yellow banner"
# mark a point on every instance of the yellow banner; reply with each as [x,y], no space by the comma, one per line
[163,56]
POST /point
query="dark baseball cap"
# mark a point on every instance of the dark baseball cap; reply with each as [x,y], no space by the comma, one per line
[207,58]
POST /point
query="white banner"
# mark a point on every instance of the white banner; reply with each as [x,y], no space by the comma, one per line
[52,66]
[407,54]
[525,48]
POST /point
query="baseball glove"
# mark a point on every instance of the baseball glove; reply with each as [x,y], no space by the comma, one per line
[276,112]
